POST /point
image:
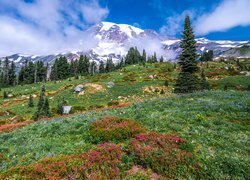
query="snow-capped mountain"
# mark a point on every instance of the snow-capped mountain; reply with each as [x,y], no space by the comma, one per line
[114,40]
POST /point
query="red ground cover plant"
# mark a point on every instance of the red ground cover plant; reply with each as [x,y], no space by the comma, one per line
[114,129]
[102,162]
[11,127]
[163,153]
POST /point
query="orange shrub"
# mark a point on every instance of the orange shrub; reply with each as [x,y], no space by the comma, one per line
[114,129]
[10,127]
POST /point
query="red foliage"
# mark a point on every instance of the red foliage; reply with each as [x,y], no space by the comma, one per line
[10,127]
[99,163]
[115,128]
[161,152]
[103,161]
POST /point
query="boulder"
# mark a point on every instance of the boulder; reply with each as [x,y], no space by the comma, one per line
[78,88]
[67,109]
[110,84]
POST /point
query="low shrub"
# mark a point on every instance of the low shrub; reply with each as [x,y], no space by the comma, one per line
[79,108]
[165,154]
[113,103]
[11,127]
[102,162]
[114,129]
[96,106]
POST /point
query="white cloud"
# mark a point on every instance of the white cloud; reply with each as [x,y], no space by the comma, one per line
[151,45]
[229,14]
[93,13]
[174,23]
[46,26]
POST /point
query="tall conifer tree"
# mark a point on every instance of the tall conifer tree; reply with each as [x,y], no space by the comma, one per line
[187,81]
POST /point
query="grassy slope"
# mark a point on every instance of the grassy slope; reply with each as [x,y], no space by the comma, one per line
[217,124]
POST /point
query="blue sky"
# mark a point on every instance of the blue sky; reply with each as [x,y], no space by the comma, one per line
[154,14]
[59,25]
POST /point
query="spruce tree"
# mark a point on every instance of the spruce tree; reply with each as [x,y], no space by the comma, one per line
[161,59]
[93,68]
[187,81]
[110,65]
[43,109]
[12,74]
[204,83]
[144,56]
[46,108]
[5,94]
[6,72]
[31,102]
[101,67]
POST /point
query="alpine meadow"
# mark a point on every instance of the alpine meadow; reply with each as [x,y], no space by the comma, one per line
[165,96]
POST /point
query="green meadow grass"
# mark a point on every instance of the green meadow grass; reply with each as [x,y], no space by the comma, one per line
[216,123]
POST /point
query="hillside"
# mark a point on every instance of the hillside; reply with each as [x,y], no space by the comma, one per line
[210,129]
[216,125]
[243,52]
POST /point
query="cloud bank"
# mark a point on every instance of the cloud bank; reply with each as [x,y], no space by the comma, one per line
[229,14]
[151,45]
[46,26]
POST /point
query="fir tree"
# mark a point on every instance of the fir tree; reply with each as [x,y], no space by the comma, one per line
[43,109]
[5,94]
[161,59]
[46,108]
[31,102]
[59,108]
[93,68]
[110,65]
[204,83]
[12,74]
[187,81]
[144,56]
[166,83]
[6,72]
[101,67]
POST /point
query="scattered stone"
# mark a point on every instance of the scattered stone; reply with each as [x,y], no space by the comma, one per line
[67,109]
[78,88]
[110,84]
[10,95]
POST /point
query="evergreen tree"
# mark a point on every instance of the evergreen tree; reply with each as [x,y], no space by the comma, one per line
[101,67]
[154,58]
[93,68]
[133,56]
[54,71]
[41,72]
[161,59]
[1,75]
[144,56]
[5,95]
[204,83]
[6,72]
[12,74]
[187,81]
[110,65]
[43,109]
[86,65]
[31,102]
[60,108]
[46,108]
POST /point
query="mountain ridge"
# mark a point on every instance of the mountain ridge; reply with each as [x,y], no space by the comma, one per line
[113,41]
